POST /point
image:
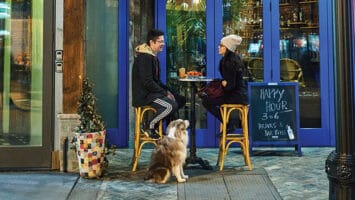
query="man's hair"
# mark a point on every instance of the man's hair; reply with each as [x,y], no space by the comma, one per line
[153,35]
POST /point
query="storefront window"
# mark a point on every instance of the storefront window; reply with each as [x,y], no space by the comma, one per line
[299,55]
[245,18]
[101,56]
[299,47]
[21,72]
[186,47]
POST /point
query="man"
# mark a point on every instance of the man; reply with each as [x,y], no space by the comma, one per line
[300,53]
[147,88]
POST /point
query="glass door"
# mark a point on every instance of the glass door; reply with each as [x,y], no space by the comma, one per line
[186,48]
[281,43]
[101,61]
[25,116]
[193,32]
[245,18]
[300,57]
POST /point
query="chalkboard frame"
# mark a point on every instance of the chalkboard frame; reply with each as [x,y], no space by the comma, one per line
[254,141]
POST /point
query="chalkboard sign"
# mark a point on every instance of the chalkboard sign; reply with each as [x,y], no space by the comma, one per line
[274,114]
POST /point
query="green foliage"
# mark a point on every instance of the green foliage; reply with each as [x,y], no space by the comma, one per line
[90,120]
[186,23]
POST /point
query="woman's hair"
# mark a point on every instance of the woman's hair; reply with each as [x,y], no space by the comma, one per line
[231,58]
[228,52]
[153,35]
[229,55]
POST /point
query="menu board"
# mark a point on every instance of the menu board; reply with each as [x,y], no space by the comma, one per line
[274,113]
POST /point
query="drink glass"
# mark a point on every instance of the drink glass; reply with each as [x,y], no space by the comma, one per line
[182,72]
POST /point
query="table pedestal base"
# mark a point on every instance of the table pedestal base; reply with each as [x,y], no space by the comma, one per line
[196,160]
[193,159]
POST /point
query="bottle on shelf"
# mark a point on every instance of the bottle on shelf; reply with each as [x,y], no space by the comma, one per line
[282,21]
[300,15]
[257,3]
[295,15]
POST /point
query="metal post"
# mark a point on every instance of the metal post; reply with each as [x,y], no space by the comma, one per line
[340,164]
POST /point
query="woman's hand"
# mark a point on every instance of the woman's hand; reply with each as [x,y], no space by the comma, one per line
[171,96]
[224,83]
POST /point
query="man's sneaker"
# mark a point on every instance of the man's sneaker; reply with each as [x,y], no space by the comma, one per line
[152,133]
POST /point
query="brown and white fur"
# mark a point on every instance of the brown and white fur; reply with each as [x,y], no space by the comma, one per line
[169,155]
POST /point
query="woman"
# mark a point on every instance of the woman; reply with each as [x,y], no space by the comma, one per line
[234,85]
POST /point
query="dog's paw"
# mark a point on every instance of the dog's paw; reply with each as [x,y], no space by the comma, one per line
[181,180]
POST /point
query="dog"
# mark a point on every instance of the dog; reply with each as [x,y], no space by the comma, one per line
[169,155]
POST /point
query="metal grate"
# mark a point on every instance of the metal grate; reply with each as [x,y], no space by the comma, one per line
[228,184]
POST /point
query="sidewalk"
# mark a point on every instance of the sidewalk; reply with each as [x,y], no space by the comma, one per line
[294,177]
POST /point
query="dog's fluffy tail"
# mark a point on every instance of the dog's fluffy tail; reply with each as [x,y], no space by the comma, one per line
[157,175]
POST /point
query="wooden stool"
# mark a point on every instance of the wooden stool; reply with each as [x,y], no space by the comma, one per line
[140,138]
[227,139]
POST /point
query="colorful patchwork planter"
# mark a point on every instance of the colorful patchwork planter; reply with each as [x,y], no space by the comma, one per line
[91,153]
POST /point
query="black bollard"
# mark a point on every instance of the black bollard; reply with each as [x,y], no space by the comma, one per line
[340,164]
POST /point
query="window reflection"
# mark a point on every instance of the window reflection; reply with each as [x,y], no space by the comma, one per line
[299,55]
[101,56]
[186,47]
[245,18]
[21,73]
[299,47]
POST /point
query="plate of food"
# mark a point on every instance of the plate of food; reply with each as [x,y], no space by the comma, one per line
[194,73]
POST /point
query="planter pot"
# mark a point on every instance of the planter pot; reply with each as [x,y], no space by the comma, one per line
[91,153]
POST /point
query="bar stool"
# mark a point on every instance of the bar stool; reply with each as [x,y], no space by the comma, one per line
[140,139]
[227,139]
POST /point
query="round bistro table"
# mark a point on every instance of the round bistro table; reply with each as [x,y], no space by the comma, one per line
[192,158]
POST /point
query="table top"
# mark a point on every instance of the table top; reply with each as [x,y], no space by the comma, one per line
[196,79]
